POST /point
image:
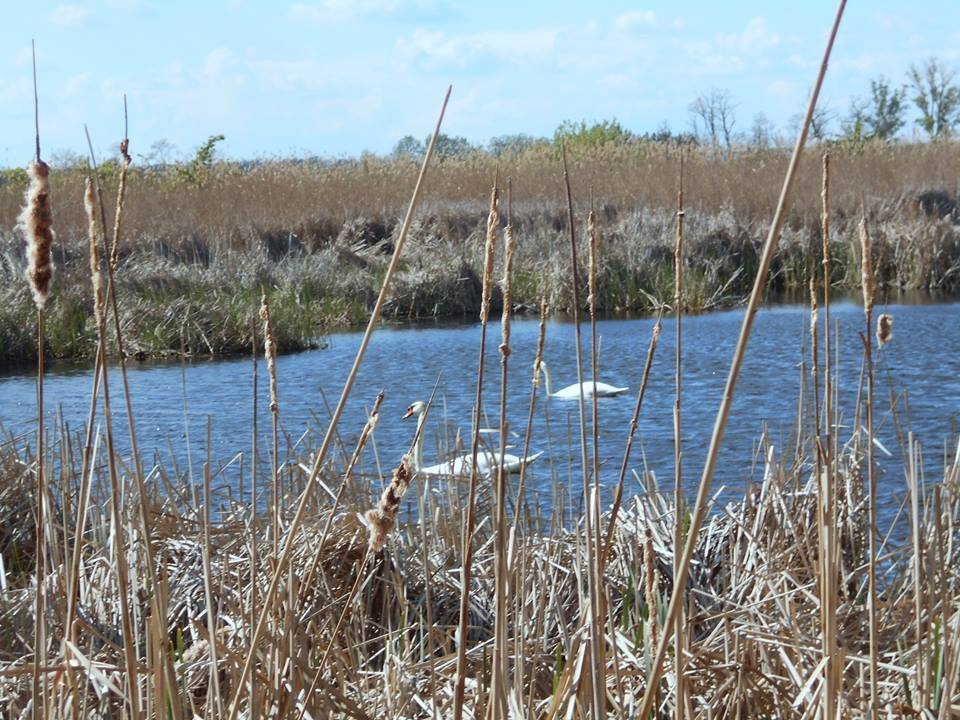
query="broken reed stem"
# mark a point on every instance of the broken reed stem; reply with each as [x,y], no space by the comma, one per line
[334,421]
[121,196]
[158,599]
[866,281]
[634,424]
[678,635]
[255,459]
[594,373]
[500,685]
[597,669]
[703,493]
[119,535]
[493,225]
[827,502]
[520,504]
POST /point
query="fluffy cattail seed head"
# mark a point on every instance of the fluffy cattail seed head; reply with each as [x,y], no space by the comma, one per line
[866,267]
[36,221]
[493,226]
[93,231]
[592,262]
[884,329]
[270,351]
[380,520]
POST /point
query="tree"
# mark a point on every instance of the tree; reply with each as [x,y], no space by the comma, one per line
[409,147]
[762,131]
[819,123]
[880,117]
[712,117]
[578,133]
[935,95]
[449,146]
[512,144]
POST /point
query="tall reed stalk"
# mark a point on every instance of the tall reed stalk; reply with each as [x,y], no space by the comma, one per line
[595,618]
[678,302]
[466,571]
[700,506]
[866,270]
[321,456]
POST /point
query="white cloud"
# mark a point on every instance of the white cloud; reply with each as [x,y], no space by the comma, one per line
[77,84]
[644,20]
[217,62]
[69,14]
[755,38]
[331,11]
[508,46]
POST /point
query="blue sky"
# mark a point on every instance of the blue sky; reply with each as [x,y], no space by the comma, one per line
[335,77]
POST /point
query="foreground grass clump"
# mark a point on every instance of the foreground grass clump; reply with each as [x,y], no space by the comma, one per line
[752,627]
[317,236]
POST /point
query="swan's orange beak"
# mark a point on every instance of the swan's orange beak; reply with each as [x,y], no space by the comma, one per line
[408,413]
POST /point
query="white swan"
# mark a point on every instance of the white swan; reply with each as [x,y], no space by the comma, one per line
[487,462]
[572,392]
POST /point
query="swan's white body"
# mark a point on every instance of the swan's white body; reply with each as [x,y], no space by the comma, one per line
[572,392]
[487,462]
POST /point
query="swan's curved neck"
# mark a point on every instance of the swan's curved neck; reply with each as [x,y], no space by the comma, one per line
[546,376]
[418,446]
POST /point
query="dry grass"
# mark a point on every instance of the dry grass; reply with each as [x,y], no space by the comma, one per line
[753,610]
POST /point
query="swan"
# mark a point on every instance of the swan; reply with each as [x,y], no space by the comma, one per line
[487,462]
[572,392]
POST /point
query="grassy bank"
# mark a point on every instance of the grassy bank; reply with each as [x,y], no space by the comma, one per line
[197,249]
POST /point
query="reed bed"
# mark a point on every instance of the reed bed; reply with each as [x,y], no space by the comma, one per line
[317,236]
[752,624]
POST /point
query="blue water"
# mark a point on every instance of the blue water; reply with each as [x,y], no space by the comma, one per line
[921,368]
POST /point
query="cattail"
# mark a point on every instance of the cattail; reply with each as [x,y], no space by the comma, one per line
[90,204]
[36,220]
[813,308]
[884,329]
[650,581]
[508,248]
[866,267]
[493,224]
[121,194]
[541,337]
[380,520]
[270,352]
[592,262]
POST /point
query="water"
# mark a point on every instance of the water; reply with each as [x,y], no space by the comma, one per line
[920,367]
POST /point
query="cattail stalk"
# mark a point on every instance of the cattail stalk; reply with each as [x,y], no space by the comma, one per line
[678,635]
[500,686]
[866,281]
[595,618]
[493,226]
[270,353]
[759,286]
[321,455]
[36,222]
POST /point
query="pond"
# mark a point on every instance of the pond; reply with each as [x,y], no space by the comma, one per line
[919,369]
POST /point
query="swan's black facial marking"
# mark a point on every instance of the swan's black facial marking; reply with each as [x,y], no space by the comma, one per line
[409,412]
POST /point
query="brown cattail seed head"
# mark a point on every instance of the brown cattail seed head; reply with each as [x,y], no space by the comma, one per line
[866,267]
[36,220]
[381,519]
[884,329]
[93,231]
[592,262]
[493,225]
[270,352]
[508,248]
